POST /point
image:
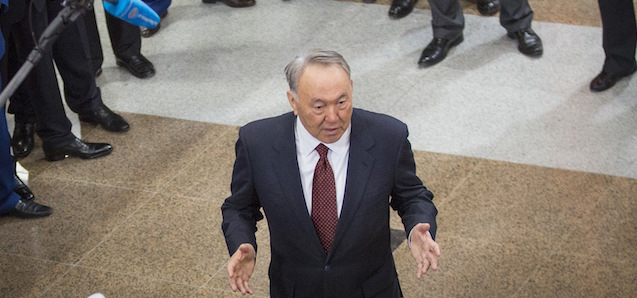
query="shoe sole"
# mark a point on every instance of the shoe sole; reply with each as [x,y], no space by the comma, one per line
[95,123]
[56,157]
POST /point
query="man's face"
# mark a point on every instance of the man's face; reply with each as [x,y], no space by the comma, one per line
[324,101]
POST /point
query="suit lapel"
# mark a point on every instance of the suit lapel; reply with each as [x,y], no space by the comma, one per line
[358,170]
[286,167]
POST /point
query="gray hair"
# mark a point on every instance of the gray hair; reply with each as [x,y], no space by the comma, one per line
[295,68]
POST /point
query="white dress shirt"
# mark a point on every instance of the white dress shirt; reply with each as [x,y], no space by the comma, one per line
[307,157]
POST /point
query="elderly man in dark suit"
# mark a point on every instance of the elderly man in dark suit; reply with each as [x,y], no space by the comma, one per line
[325,176]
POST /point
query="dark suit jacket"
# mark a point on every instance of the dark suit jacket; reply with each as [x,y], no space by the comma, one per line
[360,262]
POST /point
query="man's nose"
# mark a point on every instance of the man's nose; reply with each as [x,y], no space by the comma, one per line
[332,113]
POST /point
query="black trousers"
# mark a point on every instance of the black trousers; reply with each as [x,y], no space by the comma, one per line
[71,53]
[619,36]
[126,38]
[448,20]
[40,89]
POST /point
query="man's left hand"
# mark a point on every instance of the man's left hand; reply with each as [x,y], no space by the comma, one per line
[424,249]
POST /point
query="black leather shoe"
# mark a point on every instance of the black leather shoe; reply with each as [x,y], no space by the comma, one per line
[233,3]
[401,8]
[604,80]
[106,118]
[488,7]
[148,32]
[30,208]
[76,148]
[437,50]
[22,189]
[22,141]
[529,43]
[138,65]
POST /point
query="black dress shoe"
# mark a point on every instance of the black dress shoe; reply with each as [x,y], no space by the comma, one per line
[30,208]
[605,80]
[138,65]
[401,8]
[22,189]
[148,32]
[233,3]
[488,7]
[437,50]
[106,118]
[529,43]
[22,141]
[76,148]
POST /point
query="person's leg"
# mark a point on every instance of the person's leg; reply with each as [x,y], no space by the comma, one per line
[95,45]
[71,53]
[447,19]
[516,17]
[619,36]
[447,23]
[40,89]
[8,198]
[126,40]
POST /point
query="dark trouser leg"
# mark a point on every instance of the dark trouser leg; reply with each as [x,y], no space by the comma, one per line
[447,19]
[515,15]
[619,36]
[95,45]
[72,57]
[40,89]
[125,38]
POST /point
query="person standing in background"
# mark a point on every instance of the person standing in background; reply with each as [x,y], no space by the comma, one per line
[40,88]
[448,23]
[10,201]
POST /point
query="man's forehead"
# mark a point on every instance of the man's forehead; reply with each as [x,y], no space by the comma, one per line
[319,67]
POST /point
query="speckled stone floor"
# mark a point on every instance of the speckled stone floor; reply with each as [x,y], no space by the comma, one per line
[538,200]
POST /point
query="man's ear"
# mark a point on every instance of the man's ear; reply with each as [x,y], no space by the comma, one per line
[292,101]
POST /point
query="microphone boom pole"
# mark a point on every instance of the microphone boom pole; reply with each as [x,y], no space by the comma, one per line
[72,10]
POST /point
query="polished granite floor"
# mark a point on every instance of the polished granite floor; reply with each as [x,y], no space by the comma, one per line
[535,178]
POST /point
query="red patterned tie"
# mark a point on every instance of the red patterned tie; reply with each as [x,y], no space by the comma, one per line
[324,199]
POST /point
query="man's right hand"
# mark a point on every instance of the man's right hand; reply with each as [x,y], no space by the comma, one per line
[240,268]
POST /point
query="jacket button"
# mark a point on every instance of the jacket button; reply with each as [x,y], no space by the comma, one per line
[327,268]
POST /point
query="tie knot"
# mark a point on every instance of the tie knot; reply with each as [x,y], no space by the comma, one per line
[322,150]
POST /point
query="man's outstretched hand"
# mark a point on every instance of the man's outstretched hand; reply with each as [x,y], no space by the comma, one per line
[240,268]
[424,249]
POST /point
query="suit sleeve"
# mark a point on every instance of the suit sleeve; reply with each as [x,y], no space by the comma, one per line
[410,197]
[241,210]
